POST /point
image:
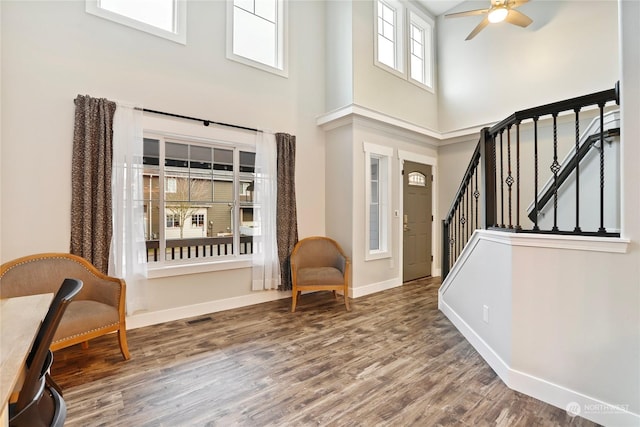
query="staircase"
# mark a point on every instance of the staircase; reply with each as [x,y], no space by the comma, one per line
[534,288]
[514,156]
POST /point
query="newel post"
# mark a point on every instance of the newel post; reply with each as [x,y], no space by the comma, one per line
[488,178]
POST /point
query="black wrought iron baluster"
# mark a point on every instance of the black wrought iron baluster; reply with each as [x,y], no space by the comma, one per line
[509,180]
[468,224]
[501,182]
[469,209]
[555,168]
[476,194]
[452,243]
[458,231]
[535,167]
[601,229]
[462,221]
[518,227]
[577,163]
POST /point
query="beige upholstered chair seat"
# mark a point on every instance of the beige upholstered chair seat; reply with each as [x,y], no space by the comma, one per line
[84,316]
[314,276]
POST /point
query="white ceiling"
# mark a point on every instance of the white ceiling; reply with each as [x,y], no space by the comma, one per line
[438,7]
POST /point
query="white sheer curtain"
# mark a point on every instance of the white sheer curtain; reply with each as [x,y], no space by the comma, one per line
[266,266]
[128,256]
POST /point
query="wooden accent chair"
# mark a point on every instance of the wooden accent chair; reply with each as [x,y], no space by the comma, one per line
[97,310]
[319,264]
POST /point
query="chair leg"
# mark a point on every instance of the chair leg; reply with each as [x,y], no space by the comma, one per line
[346,299]
[294,300]
[85,345]
[51,383]
[122,340]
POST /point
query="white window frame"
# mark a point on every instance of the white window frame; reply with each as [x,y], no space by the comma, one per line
[406,15]
[282,48]
[426,24]
[384,154]
[183,131]
[178,35]
[399,43]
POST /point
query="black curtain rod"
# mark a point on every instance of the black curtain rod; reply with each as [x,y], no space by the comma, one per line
[204,121]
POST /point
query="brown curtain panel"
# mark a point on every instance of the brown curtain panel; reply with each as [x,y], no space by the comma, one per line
[287,221]
[91,226]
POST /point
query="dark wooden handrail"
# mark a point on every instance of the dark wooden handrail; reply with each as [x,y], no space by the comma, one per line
[473,164]
[572,104]
[499,153]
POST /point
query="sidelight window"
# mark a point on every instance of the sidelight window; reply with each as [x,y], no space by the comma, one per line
[378,204]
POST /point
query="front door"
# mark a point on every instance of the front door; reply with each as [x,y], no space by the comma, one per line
[417,221]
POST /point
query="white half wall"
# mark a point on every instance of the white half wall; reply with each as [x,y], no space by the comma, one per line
[562,323]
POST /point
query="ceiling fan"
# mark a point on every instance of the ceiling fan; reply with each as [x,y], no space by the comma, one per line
[500,10]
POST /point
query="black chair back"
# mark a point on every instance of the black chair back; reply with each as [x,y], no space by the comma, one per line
[39,361]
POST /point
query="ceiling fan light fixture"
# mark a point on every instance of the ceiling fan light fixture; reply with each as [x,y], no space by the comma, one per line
[497,14]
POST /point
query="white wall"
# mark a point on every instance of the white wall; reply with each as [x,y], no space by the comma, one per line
[339,54]
[53,51]
[570,49]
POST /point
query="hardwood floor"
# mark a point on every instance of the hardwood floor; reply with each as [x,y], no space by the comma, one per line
[394,360]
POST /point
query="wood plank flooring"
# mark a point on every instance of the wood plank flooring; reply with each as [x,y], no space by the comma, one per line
[394,360]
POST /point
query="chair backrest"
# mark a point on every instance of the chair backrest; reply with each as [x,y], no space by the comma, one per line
[318,252]
[41,273]
[37,358]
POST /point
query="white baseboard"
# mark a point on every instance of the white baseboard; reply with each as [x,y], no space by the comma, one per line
[140,320]
[375,287]
[608,414]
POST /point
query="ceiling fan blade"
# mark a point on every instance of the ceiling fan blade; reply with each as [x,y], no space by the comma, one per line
[516,3]
[478,28]
[518,18]
[467,13]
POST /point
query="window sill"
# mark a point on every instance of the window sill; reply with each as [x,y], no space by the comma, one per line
[372,256]
[169,270]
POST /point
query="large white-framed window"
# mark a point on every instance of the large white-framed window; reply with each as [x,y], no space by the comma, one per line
[403,43]
[377,200]
[257,34]
[199,216]
[162,18]
[389,40]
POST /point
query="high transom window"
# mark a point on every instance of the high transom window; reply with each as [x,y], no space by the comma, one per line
[256,34]
[404,42]
[163,18]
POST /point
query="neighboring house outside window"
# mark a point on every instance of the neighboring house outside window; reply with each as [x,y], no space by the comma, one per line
[256,34]
[404,42]
[197,220]
[162,18]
